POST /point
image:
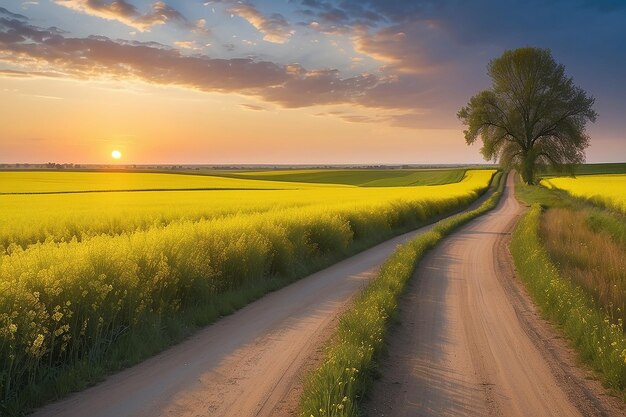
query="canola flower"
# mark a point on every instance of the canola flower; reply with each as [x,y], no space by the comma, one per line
[68,300]
[32,218]
[607,190]
[69,181]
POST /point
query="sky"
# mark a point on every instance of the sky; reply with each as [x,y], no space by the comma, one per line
[283,81]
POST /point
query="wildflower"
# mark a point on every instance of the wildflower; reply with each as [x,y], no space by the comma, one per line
[37,343]
[57,316]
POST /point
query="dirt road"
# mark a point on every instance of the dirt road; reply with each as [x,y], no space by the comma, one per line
[471,344]
[247,364]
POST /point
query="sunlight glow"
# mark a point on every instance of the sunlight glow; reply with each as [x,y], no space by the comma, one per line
[116,154]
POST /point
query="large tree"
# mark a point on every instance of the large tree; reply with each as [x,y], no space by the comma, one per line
[532,115]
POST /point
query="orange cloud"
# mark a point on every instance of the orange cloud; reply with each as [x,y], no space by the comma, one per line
[401,46]
[39,51]
[274,28]
[126,13]
[188,45]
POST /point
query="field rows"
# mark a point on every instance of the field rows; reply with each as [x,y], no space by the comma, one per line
[27,219]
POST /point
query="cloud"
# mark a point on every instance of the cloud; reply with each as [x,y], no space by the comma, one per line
[340,17]
[199,27]
[252,107]
[126,13]
[370,12]
[27,4]
[304,88]
[405,36]
[44,96]
[416,47]
[7,13]
[41,52]
[187,45]
[274,28]
[411,119]
[404,99]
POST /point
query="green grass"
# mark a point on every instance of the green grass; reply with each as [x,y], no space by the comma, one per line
[608,222]
[586,169]
[335,387]
[534,194]
[599,341]
[357,177]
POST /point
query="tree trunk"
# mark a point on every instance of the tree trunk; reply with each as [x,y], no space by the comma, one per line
[528,169]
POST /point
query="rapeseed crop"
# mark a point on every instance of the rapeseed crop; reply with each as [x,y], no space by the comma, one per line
[27,219]
[72,297]
[606,190]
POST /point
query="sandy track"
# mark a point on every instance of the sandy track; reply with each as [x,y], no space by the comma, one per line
[247,364]
[471,344]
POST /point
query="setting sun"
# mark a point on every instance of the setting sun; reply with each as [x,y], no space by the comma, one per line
[116,154]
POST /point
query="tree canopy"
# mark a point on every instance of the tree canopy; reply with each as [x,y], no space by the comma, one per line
[532,115]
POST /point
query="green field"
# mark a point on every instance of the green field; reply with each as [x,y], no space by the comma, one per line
[93,280]
[358,177]
[589,169]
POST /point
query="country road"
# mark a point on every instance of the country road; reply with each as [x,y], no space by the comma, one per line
[470,342]
[247,364]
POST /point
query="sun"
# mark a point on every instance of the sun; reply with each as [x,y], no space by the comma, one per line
[116,154]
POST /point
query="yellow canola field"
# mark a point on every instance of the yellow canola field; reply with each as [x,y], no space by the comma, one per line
[608,189]
[27,219]
[63,304]
[68,182]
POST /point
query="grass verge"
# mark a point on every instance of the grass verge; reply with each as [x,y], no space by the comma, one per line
[599,341]
[587,254]
[334,388]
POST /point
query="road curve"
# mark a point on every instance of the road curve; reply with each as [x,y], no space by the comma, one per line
[247,364]
[466,345]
